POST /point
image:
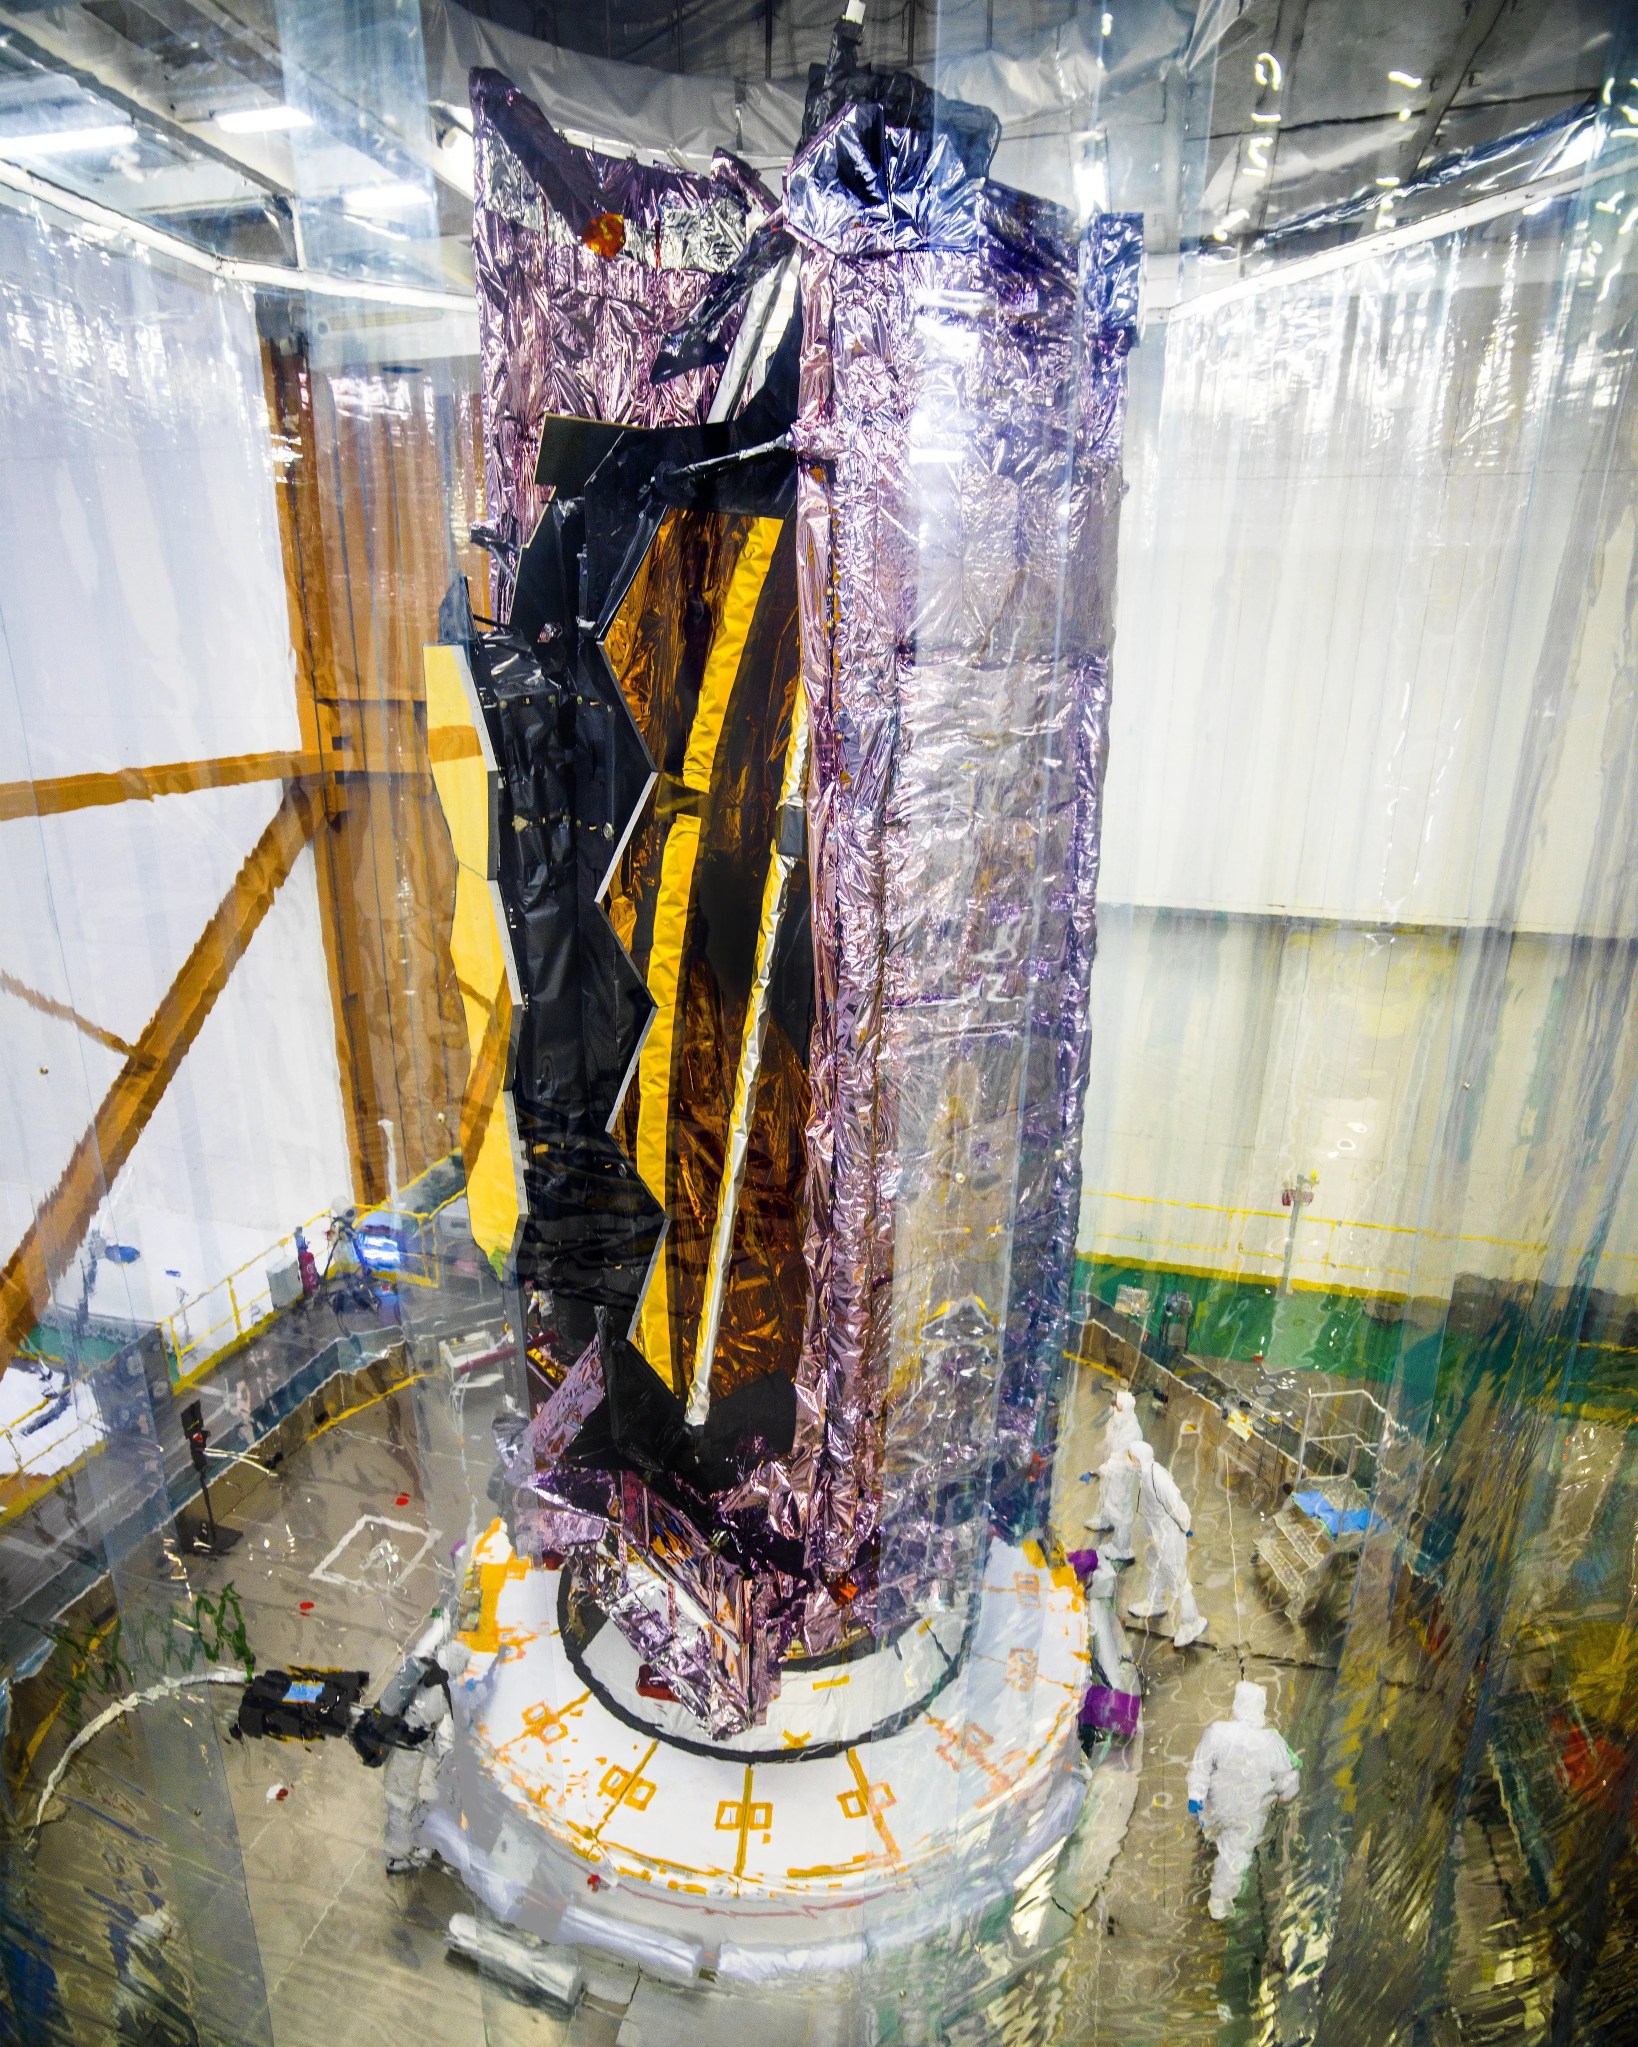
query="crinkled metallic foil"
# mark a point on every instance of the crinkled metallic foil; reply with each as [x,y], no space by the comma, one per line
[555,1423]
[705,237]
[560,327]
[959,426]
[584,263]
[506,186]
[959,429]
[710,1629]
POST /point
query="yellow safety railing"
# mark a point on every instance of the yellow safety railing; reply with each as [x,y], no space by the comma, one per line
[206,1328]
[234,1308]
[14,1461]
[1242,1244]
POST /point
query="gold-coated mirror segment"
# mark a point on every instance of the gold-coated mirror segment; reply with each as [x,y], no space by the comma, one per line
[467,780]
[673,906]
[775,893]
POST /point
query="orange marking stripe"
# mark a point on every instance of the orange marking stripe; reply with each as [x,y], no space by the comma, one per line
[873,1799]
[633,1789]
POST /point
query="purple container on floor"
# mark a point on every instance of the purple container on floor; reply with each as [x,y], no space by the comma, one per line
[1110,1712]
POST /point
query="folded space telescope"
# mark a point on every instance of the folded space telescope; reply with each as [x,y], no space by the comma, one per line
[775,800]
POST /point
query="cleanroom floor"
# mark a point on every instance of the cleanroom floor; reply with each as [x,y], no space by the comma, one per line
[346,1951]
[1148,1963]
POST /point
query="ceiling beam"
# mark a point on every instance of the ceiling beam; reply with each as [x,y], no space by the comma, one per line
[1288,34]
[62,1219]
[1271,65]
[1443,86]
[237,270]
[53,57]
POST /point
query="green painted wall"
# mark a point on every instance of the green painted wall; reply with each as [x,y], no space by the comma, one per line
[1245,1320]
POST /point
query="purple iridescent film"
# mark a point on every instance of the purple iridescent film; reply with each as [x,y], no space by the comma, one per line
[957,438]
[963,378]
[584,263]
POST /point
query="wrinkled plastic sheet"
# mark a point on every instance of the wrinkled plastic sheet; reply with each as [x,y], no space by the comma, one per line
[584,263]
[959,429]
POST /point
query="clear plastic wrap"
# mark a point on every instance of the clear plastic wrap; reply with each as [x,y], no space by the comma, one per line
[961,416]
[664,1346]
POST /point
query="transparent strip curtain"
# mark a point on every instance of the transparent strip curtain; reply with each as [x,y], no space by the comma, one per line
[1369,912]
[132,399]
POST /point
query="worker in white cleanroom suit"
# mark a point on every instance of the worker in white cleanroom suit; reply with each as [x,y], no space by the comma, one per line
[1240,1768]
[1168,1524]
[1113,1700]
[411,1772]
[1117,1480]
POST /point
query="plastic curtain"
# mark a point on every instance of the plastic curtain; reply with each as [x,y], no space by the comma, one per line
[1368,916]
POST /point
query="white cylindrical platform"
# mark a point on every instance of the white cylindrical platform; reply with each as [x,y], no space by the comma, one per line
[885,1797]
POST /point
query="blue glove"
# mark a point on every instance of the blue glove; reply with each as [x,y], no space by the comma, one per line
[1188,1535]
[1194,1805]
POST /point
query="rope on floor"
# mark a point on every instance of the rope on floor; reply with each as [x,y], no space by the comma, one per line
[163,1690]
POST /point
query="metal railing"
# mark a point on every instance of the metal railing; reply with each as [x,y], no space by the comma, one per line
[233,1309]
[1342,1430]
[28,1443]
[204,1329]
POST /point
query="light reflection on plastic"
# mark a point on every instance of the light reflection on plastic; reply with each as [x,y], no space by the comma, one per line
[397,196]
[69,141]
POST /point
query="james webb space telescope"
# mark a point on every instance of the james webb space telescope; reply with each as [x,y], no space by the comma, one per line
[775,807]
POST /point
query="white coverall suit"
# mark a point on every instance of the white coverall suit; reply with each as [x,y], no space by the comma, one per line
[411,1777]
[1111,1651]
[1167,1522]
[1240,1768]
[1118,1480]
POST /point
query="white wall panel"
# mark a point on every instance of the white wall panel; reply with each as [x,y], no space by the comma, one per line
[1354,504]
[143,620]
[1232,1053]
[122,893]
[141,587]
[249,1138]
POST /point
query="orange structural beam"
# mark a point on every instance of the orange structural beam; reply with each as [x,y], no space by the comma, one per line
[47,1005]
[125,785]
[64,1216]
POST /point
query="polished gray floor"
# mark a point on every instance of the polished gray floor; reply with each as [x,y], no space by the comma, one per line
[1148,1963]
[274,1848]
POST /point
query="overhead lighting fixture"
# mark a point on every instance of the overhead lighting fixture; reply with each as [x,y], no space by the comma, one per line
[271,120]
[1404,78]
[69,141]
[396,196]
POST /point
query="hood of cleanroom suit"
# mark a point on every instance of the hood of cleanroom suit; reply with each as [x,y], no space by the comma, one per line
[1123,1428]
[1165,1511]
[1250,1705]
[1242,1766]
